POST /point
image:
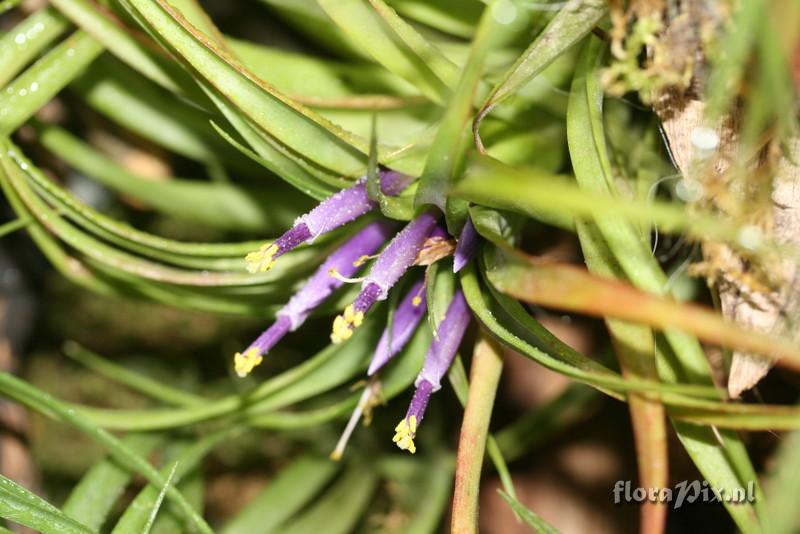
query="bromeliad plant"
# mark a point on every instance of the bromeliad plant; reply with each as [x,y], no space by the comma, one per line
[432,135]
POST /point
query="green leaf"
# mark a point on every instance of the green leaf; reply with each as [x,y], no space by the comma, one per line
[782,485]
[570,25]
[100,251]
[44,79]
[634,345]
[430,505]
[290,491]
[170,521]
[32,397]
[446,155]
[12,226]
[530,518]
[25,508]
[566,287]
[329,368]
[456,17]
[720,456]
[313,23]
[24,41]
[68,266]
[342,506]
[556,200]
[139,513]
[728,57]
[143,107]
[123,44]
[216,204]
[91,500]
[553,354]
[136,381]
[291,124]
[375,27]
[321,81]
[438,292]
[213,256]
[271,155]
[157,504]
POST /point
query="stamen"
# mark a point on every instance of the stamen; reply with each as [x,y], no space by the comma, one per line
[405,431]
[244,363]
[365,402]
[261,260]
[264,258]
[345,323]
[333,273]
[353,314]
[417,300]
[364,259]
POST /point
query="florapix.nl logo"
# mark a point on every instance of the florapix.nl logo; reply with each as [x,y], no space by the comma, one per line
[684,492]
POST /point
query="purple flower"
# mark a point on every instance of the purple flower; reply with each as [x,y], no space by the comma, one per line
[345,261]
[392,263]
[440,356]
[404,322]
[345,206]
[406,318]
[466,246]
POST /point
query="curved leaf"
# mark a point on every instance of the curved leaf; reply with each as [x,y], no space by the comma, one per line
[293,125]
[25,40]
[25,508]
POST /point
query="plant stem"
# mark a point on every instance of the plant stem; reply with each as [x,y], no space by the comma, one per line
[486,368]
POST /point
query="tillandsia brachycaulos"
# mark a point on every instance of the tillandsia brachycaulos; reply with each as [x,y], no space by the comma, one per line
[143,148]
[405,249]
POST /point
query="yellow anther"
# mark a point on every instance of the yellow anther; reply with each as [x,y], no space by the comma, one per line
[353,317]
[345,323]
[261,260]
[362,260]
[341,330]
[243,364]
[416,301]
[405,431]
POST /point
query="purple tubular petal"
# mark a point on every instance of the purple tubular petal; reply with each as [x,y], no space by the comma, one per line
[343,207]
[344,260]
[338,210]
[445,343]
[349,204]
[393,182]
[419,402]
[321,284]
[270,337]
[294,236]
[438,231]
[399,255]
[404,322]
[366,298]
[466,246]
[440,356]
